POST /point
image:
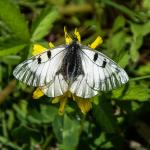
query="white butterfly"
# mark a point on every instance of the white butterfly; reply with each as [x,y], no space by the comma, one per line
[71,67]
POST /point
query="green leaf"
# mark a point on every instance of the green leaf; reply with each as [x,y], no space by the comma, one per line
[108,141]
[130,91]
[146,6]
[122,58]
[11,59]
[42,112]
[136,29]
[7,142]
[123,8]
[136,43]
[103,112]
[26,147]
[43,22]
[58,127]
[118,40]
[143,70]
[70,132]
[128,106]
[62,147]
[14,19]
[11,45]
[119,23]
[26,134]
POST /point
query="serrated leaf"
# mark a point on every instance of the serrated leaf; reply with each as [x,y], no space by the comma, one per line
[130,91]
[70,132]
[103,112]
[43,22]
[14,19]
[57,125]
[11,45]
[26,134]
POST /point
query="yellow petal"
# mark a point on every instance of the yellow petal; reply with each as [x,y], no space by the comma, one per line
[84,104]
[87,104]
[51,45]
[56,100]
[37,94]
[81,104]
[78,35]
[38,49]
[62,104]
[73,97]
[69,94]
[98,41]
[67,37]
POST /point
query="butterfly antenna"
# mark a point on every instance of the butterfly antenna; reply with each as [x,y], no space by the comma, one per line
[70,33]
[85,29]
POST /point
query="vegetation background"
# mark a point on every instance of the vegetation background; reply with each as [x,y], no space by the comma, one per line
[118,120]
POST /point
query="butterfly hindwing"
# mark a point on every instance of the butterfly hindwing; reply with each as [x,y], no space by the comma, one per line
[102,73]
[40,69]
[57,87]
[81,89]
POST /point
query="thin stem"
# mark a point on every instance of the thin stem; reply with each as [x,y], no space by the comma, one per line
[139,78]
[80,131]
[82,123]
[48,139]
[4,127]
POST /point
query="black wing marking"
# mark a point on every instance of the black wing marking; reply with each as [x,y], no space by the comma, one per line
[35,72]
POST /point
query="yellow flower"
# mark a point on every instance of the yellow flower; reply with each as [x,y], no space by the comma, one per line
[84,104]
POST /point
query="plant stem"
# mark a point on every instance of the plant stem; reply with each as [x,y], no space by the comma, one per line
[139,78]
[48,139]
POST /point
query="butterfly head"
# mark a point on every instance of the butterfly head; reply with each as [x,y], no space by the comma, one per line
[74,45]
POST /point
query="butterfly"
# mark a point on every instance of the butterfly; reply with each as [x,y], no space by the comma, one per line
[72,67]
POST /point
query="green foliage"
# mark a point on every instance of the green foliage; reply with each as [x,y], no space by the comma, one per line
[14,19]
[27,135]
[26,124]
[104,113]
[122,8]
[143,70]
[70,132]
[130,91]
[8,143]
[11,45]
[19,27]
[43,112]
[43,22]
[58,127]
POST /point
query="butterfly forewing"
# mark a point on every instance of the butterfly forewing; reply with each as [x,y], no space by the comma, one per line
[102,73]
[40,69]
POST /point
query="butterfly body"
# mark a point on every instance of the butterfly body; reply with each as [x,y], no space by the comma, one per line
[71,67]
